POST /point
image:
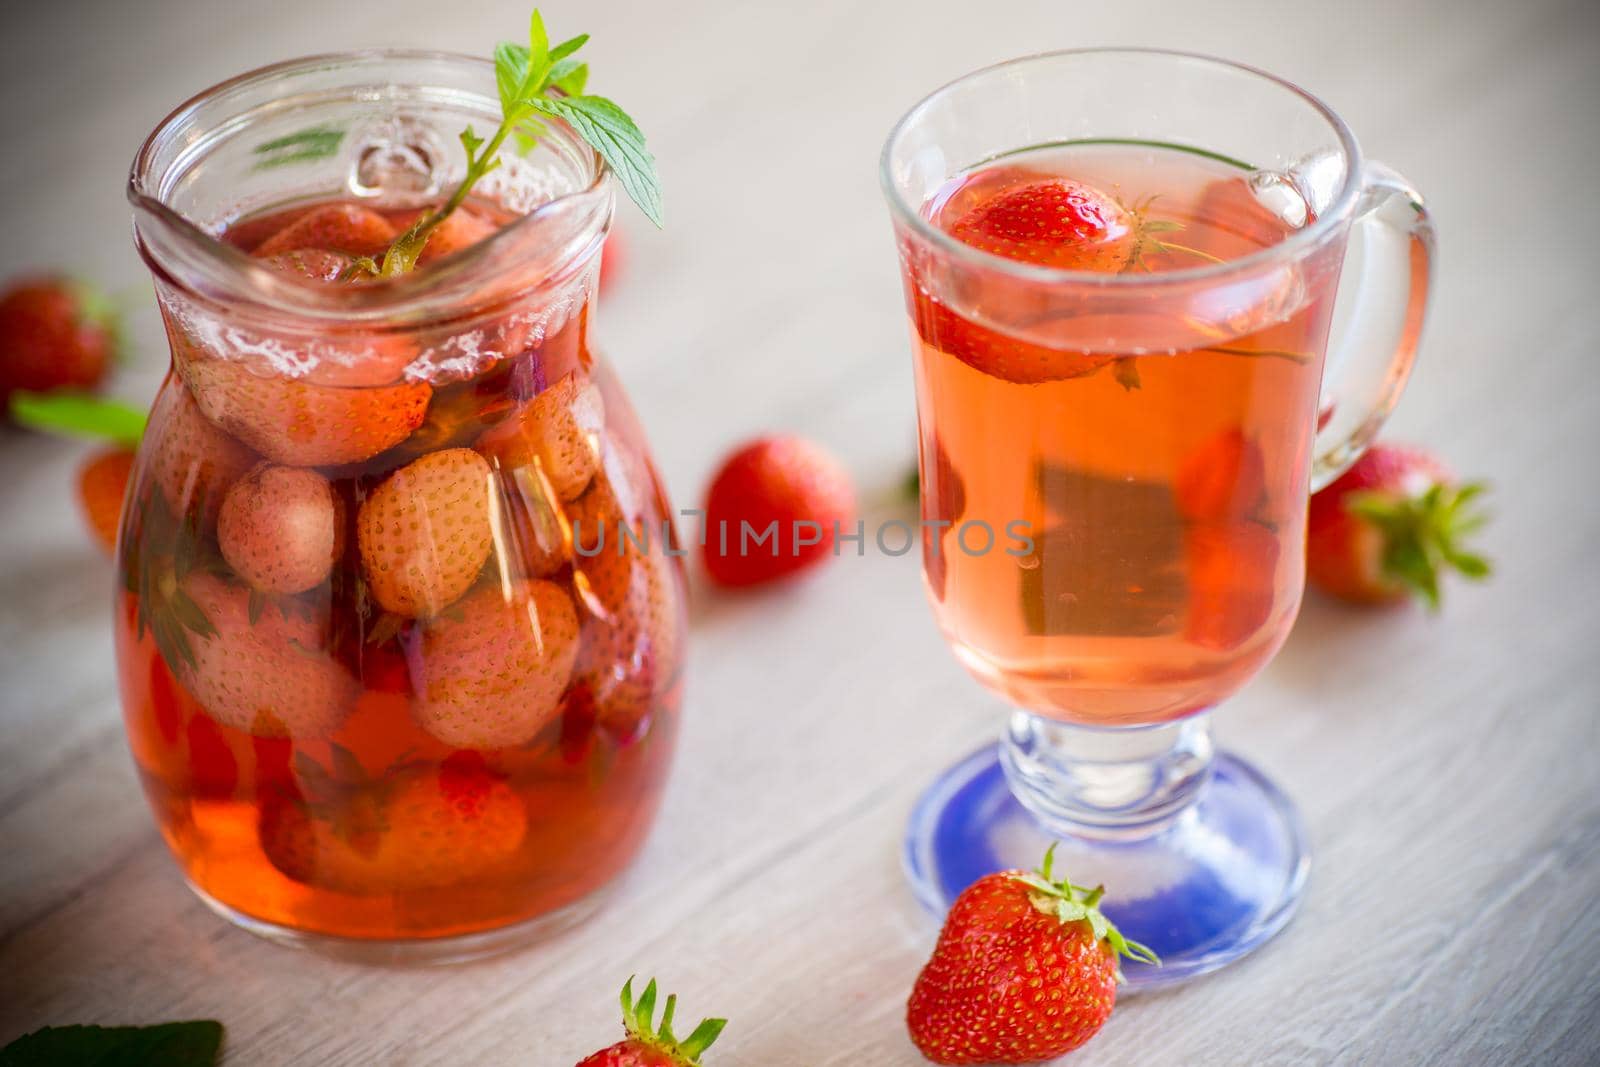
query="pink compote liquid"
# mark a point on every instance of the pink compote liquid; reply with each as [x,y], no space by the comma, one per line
[1160,467]
[286,742]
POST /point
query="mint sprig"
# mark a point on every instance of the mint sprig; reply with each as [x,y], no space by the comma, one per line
[526,75]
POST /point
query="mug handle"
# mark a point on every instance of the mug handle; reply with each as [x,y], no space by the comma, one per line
[1365,375]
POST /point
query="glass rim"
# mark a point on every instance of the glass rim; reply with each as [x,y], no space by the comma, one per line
[275,290]
[1339,209]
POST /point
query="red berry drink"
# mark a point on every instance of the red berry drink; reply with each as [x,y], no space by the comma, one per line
[382,694]
[1119,331]
[1155,456]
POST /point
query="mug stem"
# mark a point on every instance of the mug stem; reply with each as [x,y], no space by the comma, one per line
[1084,781]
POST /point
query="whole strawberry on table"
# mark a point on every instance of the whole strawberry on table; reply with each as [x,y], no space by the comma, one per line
[55,333]
[1026,969]
[1391,526]
[649,1044]
[782,484]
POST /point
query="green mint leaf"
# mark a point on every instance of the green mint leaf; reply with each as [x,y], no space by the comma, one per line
[185,1044]
[510,71]
[345,764]
[1126,372]
[471,142]
[538,40]
[314,142]
[75,414]
[567,47]
[527,136]
[570,76]
[610,131]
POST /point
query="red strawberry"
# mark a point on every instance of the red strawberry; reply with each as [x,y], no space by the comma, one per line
[318,264]
[1389,526]
[559,430]
[54,333]
[297,423]
[997,354]
[535,540]
[268,676]
[1232,571]
[774,481]
[491,673]
[1025,970]
[213,768]
[425,532]
[461,229]
[1053,222]
[649,1045]
[102,485]
[1044,221]
[632,592]
[420,829]
[613,260]
[192,460]
[347,228]
[944,499]
[1225,478]
[281,528]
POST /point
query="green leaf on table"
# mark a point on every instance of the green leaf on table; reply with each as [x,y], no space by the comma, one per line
[75,414]
[185,1044]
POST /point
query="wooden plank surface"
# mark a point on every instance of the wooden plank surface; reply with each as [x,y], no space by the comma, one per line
[1446,767]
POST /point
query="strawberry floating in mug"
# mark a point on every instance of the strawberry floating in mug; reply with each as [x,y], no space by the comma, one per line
[1026,969]
[1052,222]
[1390,526]
[649,1044]
[1056,223]
[784,491]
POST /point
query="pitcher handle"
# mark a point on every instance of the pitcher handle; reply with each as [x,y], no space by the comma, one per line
[1367,372]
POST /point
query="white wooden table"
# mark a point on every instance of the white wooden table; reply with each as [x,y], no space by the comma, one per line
[1447,767]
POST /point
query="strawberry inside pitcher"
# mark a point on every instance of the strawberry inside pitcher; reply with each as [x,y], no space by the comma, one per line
[373,687]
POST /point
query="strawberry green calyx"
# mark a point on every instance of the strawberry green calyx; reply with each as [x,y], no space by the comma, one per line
[99,310]
[638,1016]
[1423,535]
[1076,903]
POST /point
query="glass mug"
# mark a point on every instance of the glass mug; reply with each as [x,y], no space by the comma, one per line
[379,705]
[1156,433]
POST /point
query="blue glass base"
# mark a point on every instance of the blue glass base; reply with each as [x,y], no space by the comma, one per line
[1216,883]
